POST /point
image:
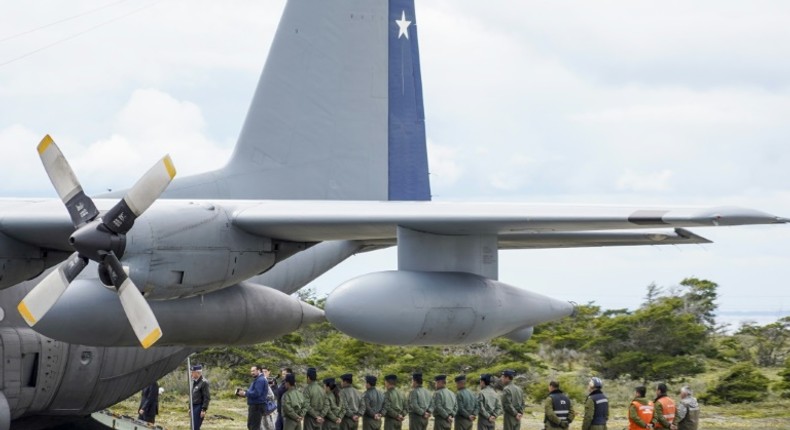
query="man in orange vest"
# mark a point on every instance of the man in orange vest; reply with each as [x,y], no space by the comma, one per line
[664,411]
[640,412]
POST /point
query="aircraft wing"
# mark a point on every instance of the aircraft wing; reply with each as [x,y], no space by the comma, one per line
[44,223]
[592,239]
[314,221]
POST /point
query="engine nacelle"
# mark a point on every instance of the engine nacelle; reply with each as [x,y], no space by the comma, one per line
[243,314]
[177,251]
[20,261]
[436,308]
[520,335]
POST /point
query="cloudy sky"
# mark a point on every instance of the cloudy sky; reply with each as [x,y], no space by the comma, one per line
[655,103]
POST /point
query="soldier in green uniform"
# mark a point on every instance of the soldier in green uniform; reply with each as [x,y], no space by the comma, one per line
[490,407]
[444,405]
[596,407]
[374,405]
[314,396]
[419,404]
[394,404]
[294,404]
[333,405]
[467,405]
[558,410]
[353,407]
[512,401]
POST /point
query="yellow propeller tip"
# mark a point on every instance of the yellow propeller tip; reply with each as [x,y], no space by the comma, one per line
[171,169]
[151,338]
[44,144]
[25,312]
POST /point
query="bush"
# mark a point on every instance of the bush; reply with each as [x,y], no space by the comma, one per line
[743,383]
[784,385]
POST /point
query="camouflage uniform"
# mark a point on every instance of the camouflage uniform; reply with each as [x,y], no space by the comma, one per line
[419,404]
[294,408]
[687,415]
[444,408]
[394,409]
[467,407]
[314,401]
[353,407]
[513,405]
[591,421]
[332,411]
[489,406]
[552,419]
[374,405]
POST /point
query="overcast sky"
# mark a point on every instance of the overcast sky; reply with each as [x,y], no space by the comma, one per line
[671,102]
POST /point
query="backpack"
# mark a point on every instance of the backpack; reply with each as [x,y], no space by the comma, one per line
[270,405]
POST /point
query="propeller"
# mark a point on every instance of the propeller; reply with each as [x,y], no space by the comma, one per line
[101,239]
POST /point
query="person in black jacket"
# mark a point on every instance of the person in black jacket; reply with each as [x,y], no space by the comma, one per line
[149,403]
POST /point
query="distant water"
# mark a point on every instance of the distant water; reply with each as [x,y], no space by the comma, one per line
[735,319]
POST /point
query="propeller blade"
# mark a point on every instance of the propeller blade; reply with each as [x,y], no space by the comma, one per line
[137,310]
[80,206]
[140,197]
[44,295]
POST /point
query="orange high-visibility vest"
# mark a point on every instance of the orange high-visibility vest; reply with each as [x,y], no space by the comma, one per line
[668,408]
[645,412]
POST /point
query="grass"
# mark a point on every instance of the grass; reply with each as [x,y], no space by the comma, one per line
[229,413]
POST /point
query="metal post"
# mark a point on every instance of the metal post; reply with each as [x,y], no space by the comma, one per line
[189,388]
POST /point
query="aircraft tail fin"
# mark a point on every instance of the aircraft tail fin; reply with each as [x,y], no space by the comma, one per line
[337,114]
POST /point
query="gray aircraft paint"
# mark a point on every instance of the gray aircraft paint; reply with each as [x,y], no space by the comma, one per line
[429,308]
[320,127]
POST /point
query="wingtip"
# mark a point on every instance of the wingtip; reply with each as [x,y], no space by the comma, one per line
[44,144]
[151,338]
[26,314]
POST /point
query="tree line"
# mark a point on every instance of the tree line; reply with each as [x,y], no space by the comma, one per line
[671,336]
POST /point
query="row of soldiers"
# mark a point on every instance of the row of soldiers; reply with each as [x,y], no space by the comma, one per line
[342,408]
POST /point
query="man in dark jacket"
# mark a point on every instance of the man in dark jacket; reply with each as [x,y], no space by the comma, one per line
[149,403]
[596,407]
[201,396]
[557,408]
[256,398]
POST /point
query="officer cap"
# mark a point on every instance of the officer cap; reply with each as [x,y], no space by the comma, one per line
[460,378]
[390,378]
[197,368]
[347,377]
[440,378]
[329,381]
[509,373]
[290,378]
[370,379]
[485,377]
[312,373]
[417,377]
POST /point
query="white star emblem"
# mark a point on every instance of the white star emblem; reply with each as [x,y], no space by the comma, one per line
[403,25]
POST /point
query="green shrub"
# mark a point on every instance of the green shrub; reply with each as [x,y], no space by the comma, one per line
[743,383]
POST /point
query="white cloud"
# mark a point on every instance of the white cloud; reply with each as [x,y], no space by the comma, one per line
[605,102]
[149,126]
[444,165]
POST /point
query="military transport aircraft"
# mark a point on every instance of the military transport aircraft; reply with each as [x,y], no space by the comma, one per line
[331,161]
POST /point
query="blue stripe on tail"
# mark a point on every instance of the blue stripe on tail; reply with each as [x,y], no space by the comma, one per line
[408,156]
